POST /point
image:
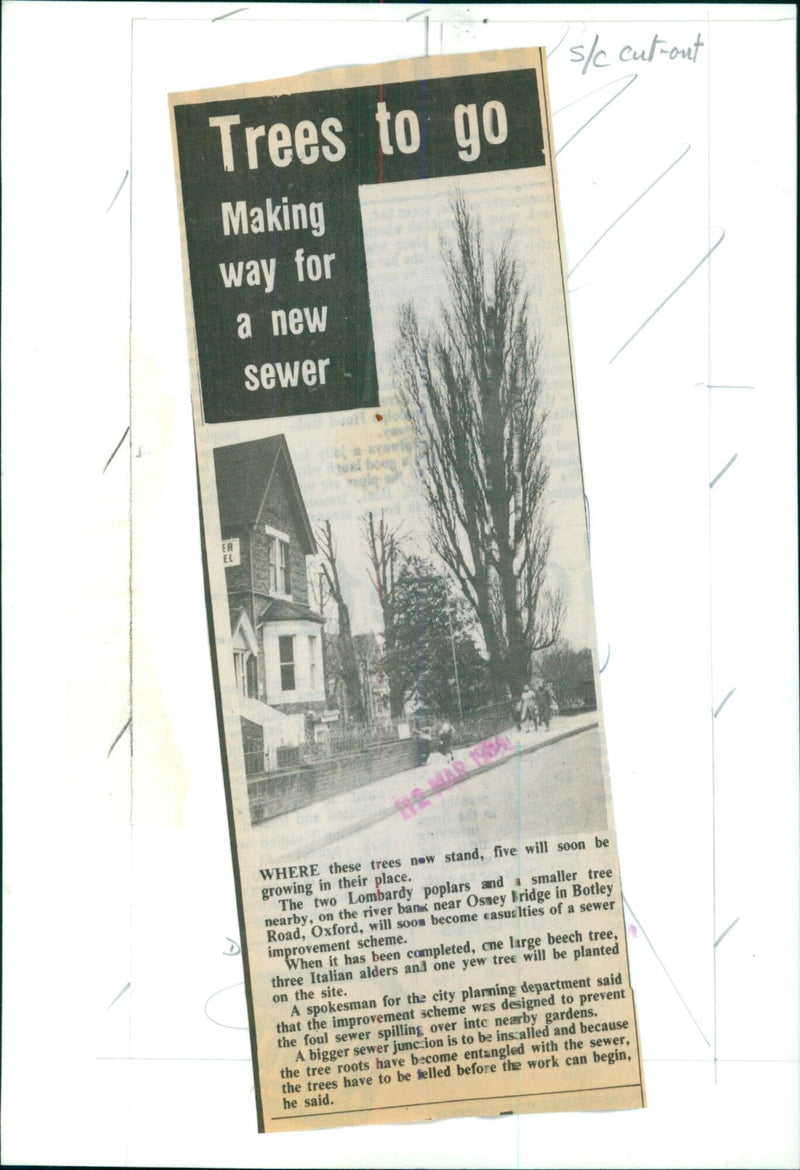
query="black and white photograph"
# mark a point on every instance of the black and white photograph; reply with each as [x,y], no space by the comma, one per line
[435,632]
[328,705]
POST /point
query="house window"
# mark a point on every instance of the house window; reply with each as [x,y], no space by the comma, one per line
[278,566]
[245,669]
[272,566]
[240,671]
[283,567]
[251,670]
[312,662]
[286,655]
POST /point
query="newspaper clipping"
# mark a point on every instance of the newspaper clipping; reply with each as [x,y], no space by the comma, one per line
[399,595]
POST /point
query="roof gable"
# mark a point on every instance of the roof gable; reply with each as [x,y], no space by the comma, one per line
[244,633]
[245,472]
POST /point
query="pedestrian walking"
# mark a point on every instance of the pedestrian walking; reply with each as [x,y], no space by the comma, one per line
[446,739]
[528,711]
[425,745]
[544,704]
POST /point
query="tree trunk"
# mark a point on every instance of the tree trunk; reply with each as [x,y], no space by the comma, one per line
[351,676]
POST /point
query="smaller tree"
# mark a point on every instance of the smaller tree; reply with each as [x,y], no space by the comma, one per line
[435,658]
[369,661]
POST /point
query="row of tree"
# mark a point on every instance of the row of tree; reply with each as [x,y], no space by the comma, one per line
[427,657]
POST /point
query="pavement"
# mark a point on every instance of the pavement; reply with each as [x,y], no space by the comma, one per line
[336,817]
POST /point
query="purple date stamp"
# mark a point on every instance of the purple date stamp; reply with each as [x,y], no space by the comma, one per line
[481,755]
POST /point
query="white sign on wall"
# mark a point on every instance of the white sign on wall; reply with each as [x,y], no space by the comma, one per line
[230,553]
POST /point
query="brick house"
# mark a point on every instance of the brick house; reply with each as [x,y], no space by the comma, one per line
[277,637]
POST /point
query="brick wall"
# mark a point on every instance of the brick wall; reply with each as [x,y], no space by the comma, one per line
[278,514]
[259,546]
[283,792]
[277,511]
[253,745]
[298,572]
[252,735]
[237,577]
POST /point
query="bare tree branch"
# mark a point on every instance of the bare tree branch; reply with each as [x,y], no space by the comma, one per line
[347,655]
[384,544]
[473,393]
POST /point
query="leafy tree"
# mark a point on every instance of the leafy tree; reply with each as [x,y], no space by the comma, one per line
[435,658]
[569,673]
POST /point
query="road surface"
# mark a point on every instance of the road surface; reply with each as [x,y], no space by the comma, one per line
[549,783]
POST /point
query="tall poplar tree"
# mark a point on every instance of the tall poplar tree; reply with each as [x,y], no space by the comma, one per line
[472,389]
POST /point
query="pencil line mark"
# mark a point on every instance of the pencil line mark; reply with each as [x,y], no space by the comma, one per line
[724,701]
[608,658]
[550,52]
[117,996]
[119,188]
[425,12]
[584,96]
[725,931]
[664,969]
[628,82]
[225,15]
[221,1023]
[119,737]
[677,288]
[113,453]
[715,386]
[630,207]
[720,474]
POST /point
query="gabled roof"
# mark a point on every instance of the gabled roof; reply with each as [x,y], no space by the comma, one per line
[245,473]
[280,609]
[240,623]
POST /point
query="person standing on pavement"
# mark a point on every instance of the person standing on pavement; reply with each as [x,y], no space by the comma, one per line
[544,704]
[446,739]
[528,707]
